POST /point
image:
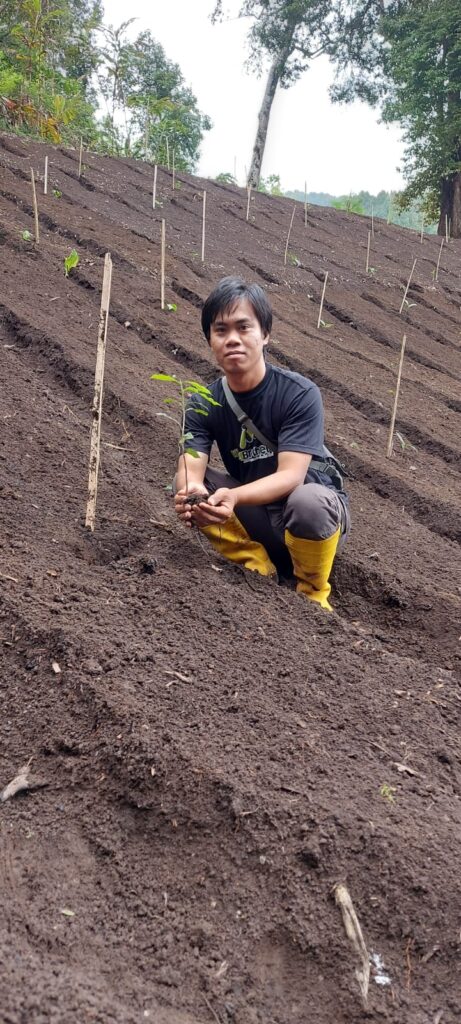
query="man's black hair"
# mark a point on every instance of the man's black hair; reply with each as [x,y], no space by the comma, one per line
[225,296]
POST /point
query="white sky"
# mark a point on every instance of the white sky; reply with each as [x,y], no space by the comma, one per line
[337,149]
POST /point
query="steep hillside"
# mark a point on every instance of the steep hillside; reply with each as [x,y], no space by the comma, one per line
[214,754]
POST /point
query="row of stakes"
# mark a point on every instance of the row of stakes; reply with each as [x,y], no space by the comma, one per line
[95,440]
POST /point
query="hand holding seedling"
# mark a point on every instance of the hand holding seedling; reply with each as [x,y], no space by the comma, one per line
[216,510]
[185,501]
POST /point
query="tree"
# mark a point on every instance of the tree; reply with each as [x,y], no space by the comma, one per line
[412,67]
[291,33]
[352,204]
[147,90]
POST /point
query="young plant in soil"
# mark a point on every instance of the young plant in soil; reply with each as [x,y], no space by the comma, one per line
[188,394]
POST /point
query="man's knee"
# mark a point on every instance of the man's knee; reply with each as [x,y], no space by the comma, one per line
[313,512]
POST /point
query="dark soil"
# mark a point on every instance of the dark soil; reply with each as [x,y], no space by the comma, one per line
[219,754]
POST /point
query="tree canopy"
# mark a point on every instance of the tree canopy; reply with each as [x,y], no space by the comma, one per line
[59,66]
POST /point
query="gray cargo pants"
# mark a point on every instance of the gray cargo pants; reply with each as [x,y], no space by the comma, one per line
[311,511]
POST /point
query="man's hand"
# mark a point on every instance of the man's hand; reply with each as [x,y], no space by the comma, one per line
[217,509]
[182,508]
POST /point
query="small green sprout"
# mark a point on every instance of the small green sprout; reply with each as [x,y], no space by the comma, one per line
[371,270]
[57,193]
[71,261]
[324,323]
[26,236]
[387,792]
[408,304]
[188,395]
[295,262]
[403,442]
[172,307]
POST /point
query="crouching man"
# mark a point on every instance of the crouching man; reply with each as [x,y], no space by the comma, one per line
[280,507]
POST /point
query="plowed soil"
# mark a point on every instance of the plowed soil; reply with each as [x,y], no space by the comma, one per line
[210,754]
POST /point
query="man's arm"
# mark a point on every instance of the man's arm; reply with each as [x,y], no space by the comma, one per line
[291,471]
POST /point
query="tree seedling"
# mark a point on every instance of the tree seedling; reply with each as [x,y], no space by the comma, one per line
[324,323]
[172,307]
[71,261]
[57,194]
[293,260]
[387,792]
[188,395]
[26,236]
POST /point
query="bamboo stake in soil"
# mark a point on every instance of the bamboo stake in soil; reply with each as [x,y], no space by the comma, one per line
[154,188]
[355,936]
[408,285]
[438,261]
[367,265]
[305,204]
[372,221]
[248,201]
[396,398]
[34,199]
[203,226]
[80,157]
[162,266]
[95,443]
[319,321]
[447,235]
[174,169]
[422,230]
[168,154]
[45,179]
[288,236]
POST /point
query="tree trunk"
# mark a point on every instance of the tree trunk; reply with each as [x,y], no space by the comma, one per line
[275,72]
[451,206]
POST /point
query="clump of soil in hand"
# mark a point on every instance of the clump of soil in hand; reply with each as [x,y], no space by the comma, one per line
[195,499]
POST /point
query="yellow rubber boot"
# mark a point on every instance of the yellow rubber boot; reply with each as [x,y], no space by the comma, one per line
[232,540]
[312,564]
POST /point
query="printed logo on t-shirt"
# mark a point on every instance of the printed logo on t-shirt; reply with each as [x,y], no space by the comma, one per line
[252,454]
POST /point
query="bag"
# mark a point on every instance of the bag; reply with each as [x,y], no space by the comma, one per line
[329,465]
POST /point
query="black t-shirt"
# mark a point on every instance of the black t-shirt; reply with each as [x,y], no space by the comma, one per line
[286,407]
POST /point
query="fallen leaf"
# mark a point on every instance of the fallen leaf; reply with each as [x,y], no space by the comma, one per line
[67,912]
[18,784]
[404,768]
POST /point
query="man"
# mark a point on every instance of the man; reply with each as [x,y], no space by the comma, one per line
[280,507]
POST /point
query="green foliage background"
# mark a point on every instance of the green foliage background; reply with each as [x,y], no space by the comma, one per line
[65,75]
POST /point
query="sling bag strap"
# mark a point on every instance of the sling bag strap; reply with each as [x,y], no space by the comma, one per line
[329,465]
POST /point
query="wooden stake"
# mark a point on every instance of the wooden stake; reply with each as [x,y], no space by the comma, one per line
[45,179]
[174,170]
[372,221]
[288,236]
[305,204]
[438,261]
[248,201]
[390,442]
[355,936]
[447,236]
[154,188]
[367,264]
[203,226]
[34,199]
[80,158]
[408,285]
[95,442]
[162,266]
[167,154]
[322,300]
[422,229]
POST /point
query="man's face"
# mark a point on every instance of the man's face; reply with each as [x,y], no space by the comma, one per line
[237,340]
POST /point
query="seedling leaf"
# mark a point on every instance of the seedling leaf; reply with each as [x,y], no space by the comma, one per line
[71,261]
[191,451]
[172,307]
[26,235]
[163,376]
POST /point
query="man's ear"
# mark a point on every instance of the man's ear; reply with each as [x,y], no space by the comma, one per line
[266,339]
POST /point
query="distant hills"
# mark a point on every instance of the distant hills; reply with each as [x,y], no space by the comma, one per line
[365,203]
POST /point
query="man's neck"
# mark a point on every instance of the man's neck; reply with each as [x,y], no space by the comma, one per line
[240,382]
